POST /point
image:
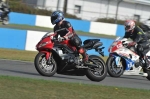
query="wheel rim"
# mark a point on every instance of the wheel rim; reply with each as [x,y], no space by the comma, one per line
[47,68]
[98,72]
[114,68]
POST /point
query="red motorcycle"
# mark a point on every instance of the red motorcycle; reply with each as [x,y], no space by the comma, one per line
[62,58]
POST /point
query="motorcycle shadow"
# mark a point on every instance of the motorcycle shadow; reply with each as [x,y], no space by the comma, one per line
[20,72]
[133,77]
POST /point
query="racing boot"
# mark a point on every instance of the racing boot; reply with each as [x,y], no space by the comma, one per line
[84,55]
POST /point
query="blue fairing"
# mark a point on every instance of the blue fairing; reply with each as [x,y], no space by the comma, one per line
[129,62]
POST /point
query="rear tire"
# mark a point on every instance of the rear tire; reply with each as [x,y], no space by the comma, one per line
[101,71]
[148,72]
[148,77]
[5,21]
[42,67]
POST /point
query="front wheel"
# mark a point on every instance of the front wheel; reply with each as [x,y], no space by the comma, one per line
[113,69]
[42,67]
[97,74]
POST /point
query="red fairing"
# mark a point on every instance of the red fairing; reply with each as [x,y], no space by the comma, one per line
[45,43]
[115,46]
[47,54]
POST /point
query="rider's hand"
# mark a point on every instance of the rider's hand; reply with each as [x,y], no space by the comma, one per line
[60,39]
[132,44]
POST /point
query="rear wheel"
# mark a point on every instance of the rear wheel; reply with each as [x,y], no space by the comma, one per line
[42,67]
[148,77]
[5,20]
[97,74]
[148,73]
[113,69]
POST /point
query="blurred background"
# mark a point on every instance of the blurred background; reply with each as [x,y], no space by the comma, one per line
[109,11]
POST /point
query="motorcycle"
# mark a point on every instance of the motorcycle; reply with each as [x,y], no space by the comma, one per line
[62,58]
[5,20]
[123,60]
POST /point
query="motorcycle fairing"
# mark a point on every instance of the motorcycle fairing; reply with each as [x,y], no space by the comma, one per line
[129,62]
[126,53]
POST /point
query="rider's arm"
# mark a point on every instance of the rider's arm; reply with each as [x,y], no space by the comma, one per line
[139,35]
[70,30]
[56,34]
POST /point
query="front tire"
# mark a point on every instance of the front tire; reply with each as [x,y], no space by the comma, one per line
[113,70]
[42,67]
[97,74]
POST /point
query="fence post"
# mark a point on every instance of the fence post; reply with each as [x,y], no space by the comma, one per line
[117,10]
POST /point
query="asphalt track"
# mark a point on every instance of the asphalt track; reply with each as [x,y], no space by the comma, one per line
[27,70]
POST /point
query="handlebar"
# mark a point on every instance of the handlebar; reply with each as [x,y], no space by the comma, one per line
[54,39]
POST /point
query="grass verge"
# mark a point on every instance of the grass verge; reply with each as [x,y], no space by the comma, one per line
[24,88]
[20,55]
[17,54]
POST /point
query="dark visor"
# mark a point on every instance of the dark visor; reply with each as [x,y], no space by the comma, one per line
[127,27]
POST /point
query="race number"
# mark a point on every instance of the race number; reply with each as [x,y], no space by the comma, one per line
[119,45]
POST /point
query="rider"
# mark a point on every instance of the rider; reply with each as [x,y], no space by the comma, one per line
[66,31]
[138,36]
[4,9]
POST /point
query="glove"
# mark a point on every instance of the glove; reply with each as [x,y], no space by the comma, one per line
[132,44]
[60,39]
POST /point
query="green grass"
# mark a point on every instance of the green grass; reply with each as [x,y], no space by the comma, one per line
[25,88]
[37,28]
[20,55]
[17,54]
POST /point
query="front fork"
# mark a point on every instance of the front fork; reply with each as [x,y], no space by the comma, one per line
[48,56]
[117,61]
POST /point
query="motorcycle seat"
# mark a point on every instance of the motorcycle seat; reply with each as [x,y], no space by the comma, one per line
[92,43]
[91,40]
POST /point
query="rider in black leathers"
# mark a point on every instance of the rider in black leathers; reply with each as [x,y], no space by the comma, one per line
[4,9]
[65,30]
[138,36]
